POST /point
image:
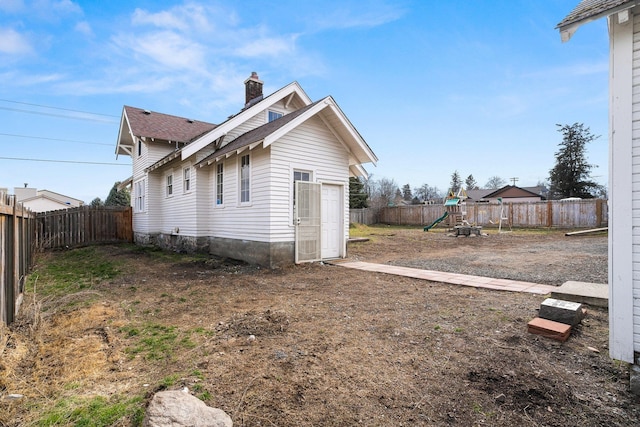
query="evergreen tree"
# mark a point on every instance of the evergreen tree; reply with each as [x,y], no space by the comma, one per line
[456,182]
[357,196]
[97,202]
[118,198]
[570,176]
[406,192]
[470,183]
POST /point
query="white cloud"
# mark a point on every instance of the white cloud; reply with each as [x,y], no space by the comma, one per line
[11,6]
[166,48]
[268,46]
[22,79]
[188,17]
[358,14]
[13,43]
[84,27]
[50,10]
[66,6]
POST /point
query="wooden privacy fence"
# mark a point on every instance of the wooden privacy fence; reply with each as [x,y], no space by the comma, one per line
[17,237]
[363,216]
[589,213]
[84,225]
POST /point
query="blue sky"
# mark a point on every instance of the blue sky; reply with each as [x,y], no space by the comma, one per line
[434,87]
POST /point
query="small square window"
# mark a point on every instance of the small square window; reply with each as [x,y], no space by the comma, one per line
[274,115]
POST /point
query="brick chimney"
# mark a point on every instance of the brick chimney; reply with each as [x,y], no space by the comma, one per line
[253,88]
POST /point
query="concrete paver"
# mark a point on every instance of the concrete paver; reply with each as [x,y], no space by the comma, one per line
[453,278]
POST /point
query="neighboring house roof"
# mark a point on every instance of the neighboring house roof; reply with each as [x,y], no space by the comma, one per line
[150,124]
[46,200]
[511,191]
[590,10]
[540,190]
[479,193]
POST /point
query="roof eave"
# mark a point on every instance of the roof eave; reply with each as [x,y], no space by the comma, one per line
[125,126]
[243,116]
[568,30]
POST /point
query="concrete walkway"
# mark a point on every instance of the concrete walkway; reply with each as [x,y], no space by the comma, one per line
[453,278]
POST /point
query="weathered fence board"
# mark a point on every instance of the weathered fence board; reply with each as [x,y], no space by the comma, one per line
[17,236]
[22,231]
[84,225]
[559,214]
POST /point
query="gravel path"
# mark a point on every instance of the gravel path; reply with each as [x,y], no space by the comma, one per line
[541,257]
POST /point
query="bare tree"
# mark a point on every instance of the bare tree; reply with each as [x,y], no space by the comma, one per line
[427,192]
[495,182]
[382,192]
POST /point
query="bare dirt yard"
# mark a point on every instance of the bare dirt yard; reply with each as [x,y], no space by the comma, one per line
[315,344]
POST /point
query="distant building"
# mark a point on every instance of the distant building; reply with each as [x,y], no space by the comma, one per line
[508,194]
[44,200]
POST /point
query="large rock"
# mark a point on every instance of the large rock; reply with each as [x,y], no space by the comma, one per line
[178,408]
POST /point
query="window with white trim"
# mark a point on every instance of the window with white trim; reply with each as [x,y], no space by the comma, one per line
[139,148]
[139,190]
[273,115]
[169,185]
[186,182]
[245,179]
[220,184]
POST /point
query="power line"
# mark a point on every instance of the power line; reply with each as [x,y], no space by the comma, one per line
[60,115]
[63,161]
[57,108]
[53,139]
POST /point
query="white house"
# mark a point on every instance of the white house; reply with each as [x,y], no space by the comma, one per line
[44,200]
[623,18]
[269,185]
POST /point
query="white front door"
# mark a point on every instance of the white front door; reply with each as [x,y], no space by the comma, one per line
[332,220]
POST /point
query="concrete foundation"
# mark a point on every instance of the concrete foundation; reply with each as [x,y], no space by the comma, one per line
[634,375]
[267,254]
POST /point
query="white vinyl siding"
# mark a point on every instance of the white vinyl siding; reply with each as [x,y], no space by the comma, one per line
[149,220]
[236,221]
[311,147]
[635,180]
[178,214]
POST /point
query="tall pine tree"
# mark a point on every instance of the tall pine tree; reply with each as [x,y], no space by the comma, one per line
[570,176]
[357,195]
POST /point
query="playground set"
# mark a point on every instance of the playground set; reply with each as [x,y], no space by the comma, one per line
[455,216]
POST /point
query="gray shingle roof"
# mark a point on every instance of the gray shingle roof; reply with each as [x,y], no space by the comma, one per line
[149,124]
[592,9]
